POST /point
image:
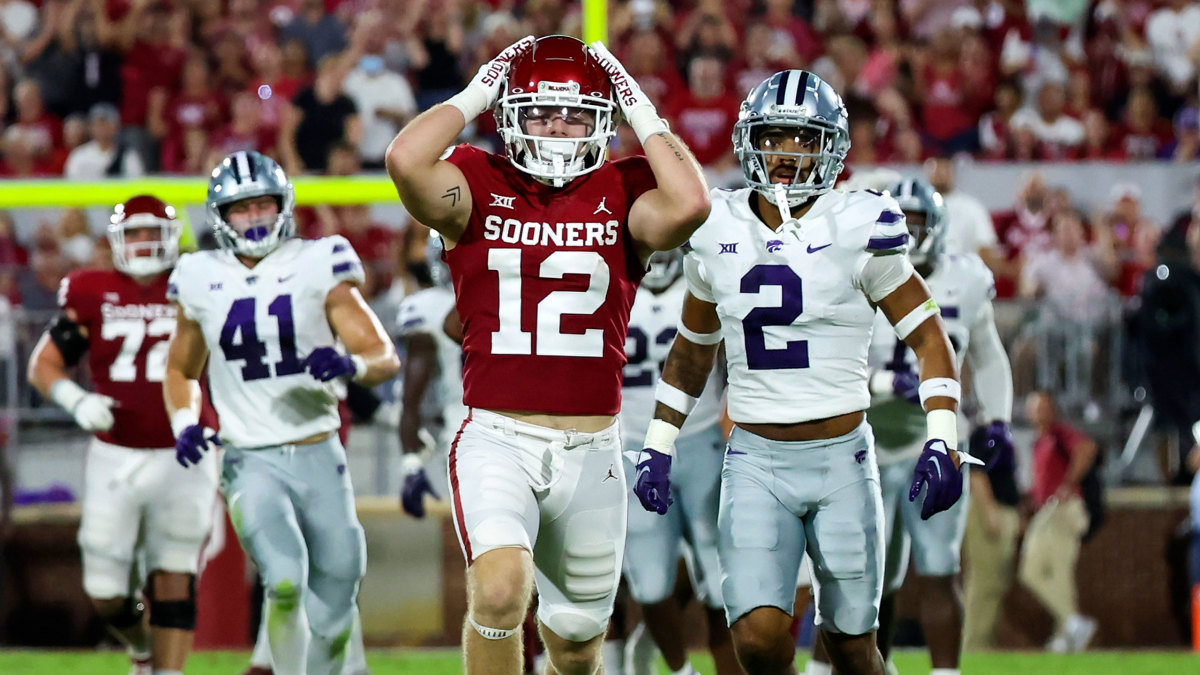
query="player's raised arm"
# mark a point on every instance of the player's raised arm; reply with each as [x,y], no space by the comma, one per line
[432,189]
[662,218]
[371,353]
[685,373]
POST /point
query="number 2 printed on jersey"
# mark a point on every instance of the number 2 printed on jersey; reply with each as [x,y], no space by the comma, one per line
[791,305]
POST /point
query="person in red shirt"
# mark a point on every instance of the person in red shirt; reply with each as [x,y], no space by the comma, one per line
[1062,457]
[703,116]
[138,505]
[546,246]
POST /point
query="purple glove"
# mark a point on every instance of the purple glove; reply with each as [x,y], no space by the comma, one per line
[412,493]
[653,484]
[193,443]
[905,385]
[936,472]
[326,363]
[999,444]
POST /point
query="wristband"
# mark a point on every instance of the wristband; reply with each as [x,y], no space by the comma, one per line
[645,122]
[939,386]
[67,394]
[182,419]
[471,102]
[675,398]
[880,382]
[942,424]
[660,436]
[360,366]
[410,463]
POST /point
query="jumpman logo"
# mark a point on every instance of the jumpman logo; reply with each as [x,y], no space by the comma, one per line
[602,207]
[610,473]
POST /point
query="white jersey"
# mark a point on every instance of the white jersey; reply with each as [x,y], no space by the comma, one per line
[793,303]
[426,312]
[652,327]
[259,324]
[961,285]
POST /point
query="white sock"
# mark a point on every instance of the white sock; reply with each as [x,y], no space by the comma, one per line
[815,667]
[261,656]
[945,671]
[612,652]
[287,635]
[639,652]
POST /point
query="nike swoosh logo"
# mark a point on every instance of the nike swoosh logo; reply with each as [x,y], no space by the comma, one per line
[818,248]
[283,279]
[735,452]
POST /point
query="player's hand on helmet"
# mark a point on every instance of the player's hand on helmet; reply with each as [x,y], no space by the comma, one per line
[653,480]
[905,385]
[635,105]
[93,412]
[415,487]
[326,363]
[938,474]
[193,442]
[483,90]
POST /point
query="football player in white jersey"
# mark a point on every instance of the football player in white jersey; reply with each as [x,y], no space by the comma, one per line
[788,273]
[428,323]
[654,543]
[280,322]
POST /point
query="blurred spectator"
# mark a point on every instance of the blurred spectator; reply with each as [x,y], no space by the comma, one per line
[436,53]
[193,156]
[1070,279]
[271,87]
[703,116]
[1133,236]
[969,227]
[705,30]
[12,254]
[76,132]
[38,283]
[791,34]
[319,117]
[103,156]
[1185,147]
[1173,33]
[1098,139]
[247,22]
[232,70]
[96,75]
[150,62]
[1024,227]
[759,58]
[648,64]
[385,103]
[376,244]
[20,161]
[197,104]
[321,33]
[926,19]
[295,62]
[74,239]
[951,97]
[41,130]
[1143,134]
[995,136]
[1079,99]
[1058,134]
[885,57]
[244,130]
[46,55]
[1062,457]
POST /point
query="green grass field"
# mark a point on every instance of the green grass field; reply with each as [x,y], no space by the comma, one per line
[446,662]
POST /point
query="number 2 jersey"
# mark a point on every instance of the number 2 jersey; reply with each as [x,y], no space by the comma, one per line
[544,279]
[260,323]
[793,303]
[129,326]
[962,285]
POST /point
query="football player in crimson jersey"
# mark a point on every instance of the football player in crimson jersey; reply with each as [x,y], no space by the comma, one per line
[122,320]
[546,246]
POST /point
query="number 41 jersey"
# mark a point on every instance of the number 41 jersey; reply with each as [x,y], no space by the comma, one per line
[793,307]
[259,324]
[544,279]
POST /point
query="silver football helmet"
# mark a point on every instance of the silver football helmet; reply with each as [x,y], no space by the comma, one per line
[800,103]
[439,271]
[663,269]
[246,175]
[928,239]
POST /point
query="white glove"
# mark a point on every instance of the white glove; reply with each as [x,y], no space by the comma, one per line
[635,105]
[92,412]
[483,90]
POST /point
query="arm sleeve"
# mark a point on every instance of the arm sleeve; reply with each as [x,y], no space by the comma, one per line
[991,374]
[693,271]
[879,275]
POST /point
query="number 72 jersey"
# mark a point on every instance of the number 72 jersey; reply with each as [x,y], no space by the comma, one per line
[259,324]
[793,307]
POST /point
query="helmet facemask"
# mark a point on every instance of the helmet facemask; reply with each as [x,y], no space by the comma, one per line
[263,233]
[244,176]
[663,268]
[143,258]
[814,172]
[555,159]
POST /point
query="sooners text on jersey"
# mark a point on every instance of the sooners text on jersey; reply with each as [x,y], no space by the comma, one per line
[129,327]
[544,279]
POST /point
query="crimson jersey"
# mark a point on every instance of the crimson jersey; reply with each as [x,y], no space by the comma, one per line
[544,279]
[129,327]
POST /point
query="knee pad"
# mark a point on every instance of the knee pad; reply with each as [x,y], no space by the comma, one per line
[590,570]
[576,626]
[492,633]
[178,614]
